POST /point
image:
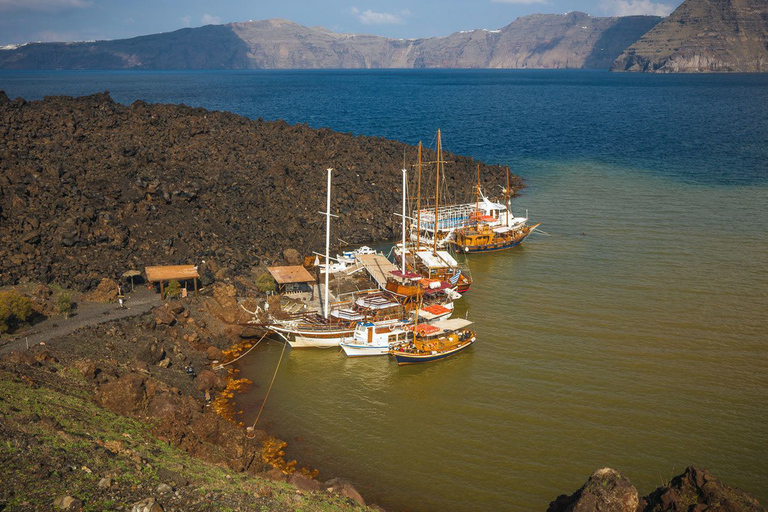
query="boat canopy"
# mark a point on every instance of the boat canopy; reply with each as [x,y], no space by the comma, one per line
[433,311]
[441,259]
[452,324]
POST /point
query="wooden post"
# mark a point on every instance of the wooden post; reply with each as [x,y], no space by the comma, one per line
[162,291]
[195,287]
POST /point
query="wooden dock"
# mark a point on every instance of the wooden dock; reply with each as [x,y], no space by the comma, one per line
[378,267]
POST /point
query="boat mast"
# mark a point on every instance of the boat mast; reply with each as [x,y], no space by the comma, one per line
[327,243]
[437,188]
[418,208]
[507,196]
[405,184]
[477,197]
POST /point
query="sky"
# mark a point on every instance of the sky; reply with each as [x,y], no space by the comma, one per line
[82,20]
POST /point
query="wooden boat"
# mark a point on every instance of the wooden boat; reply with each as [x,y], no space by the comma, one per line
[490,227]
[437,265]
[432,342]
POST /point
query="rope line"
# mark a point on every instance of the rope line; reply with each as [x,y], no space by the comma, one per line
[274,376]
[222,365]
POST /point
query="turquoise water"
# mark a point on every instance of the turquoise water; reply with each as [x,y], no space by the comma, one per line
[632,334]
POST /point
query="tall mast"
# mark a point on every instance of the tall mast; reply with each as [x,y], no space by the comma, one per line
[437,187]
[507,196]
[477,197]
[405,184]
[418,207]
[327,242]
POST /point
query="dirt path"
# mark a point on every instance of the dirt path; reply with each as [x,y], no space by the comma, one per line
[86,314]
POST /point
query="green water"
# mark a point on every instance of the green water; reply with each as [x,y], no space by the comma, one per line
[633,336]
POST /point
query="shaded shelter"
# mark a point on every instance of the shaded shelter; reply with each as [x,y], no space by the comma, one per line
[161,274]
[132,274]
[292,279]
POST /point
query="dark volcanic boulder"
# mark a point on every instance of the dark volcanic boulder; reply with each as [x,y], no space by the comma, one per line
[606,490]
[697,490]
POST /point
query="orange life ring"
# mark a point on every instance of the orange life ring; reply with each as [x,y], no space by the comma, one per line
[422,333]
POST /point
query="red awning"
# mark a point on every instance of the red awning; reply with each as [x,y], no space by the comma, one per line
[406,275]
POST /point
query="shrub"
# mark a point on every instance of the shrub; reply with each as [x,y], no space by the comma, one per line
[64,302]
[173,289]
[265,283]
[14,309]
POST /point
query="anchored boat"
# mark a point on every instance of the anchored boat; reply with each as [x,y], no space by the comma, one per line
[374,339]
[432,342]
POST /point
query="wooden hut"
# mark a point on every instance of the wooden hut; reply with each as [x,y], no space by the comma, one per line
[292,279]
[167,273]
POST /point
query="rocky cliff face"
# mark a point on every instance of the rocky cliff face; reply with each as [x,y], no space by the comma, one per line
[574,40]
[91,188]
[704,36]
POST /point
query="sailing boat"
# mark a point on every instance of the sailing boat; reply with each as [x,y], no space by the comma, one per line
[339,320]
[436,265]
[491,228]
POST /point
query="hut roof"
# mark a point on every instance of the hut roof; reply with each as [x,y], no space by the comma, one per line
[171,272]
[292,274]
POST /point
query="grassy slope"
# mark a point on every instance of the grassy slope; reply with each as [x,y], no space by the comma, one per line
[55,441]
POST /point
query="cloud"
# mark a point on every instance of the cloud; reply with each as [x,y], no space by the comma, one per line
[370,17]
[207,19]
[42,5]
[635,7]
[186,20]
[519,2]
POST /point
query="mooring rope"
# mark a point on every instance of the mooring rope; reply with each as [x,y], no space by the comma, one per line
[222,365]
[274,376]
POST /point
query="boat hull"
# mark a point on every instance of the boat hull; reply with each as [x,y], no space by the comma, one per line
[403,358]
[353,350]
[311,339]
[469,249]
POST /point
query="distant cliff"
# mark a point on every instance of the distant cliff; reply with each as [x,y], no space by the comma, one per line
[574,40]
[704,36]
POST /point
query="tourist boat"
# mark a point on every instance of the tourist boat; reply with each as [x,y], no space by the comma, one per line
[491,228]
[484,226]
[374,338]
[431,342]
[435,265]
[313,330]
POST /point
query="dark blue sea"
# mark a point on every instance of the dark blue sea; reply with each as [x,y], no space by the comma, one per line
[630,332]
[697,128]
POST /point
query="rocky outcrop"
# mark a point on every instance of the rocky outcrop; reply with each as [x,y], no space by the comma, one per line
[573,40]
[696,490]
[606,490]
[107,188]
[704,36]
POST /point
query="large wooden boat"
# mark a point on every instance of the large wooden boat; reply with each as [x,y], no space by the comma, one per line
[490,226]
[438,268]
[483,226]
[432,342]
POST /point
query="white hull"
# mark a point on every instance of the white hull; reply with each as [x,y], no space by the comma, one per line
[313,339]
[365,350]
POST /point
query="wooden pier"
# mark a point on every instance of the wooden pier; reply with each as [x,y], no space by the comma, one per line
[378,267]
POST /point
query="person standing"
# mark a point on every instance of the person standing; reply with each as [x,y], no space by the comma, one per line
[120,296]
